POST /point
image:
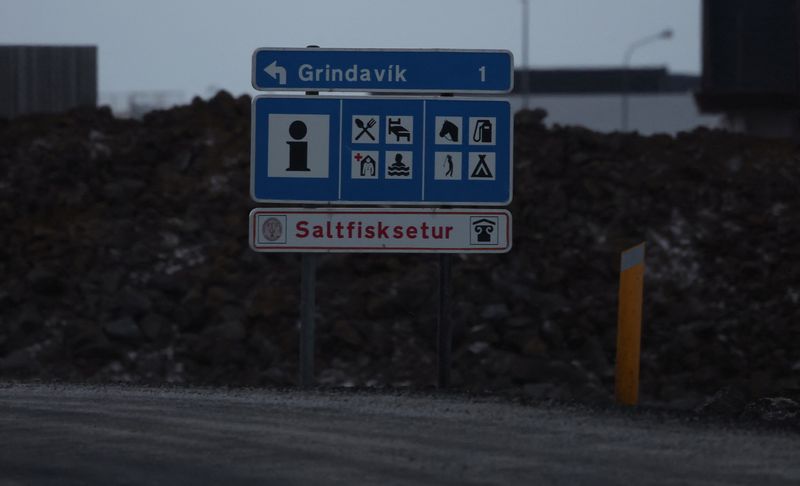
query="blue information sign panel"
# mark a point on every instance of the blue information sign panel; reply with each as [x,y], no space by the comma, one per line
[368,150]
[383,70]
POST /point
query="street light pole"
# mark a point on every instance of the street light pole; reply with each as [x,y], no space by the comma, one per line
[626,62]
[526,85]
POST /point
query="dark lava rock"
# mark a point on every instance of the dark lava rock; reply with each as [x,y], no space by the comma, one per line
[153,326]
[124,243]
[727,402]
[134,302]
[44,281]
[773,409]
[495,312]
[19,360]
[124,329]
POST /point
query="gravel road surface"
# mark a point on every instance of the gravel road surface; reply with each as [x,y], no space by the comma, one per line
[123,435]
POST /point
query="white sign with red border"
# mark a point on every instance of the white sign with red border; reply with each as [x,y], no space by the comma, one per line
[396,230]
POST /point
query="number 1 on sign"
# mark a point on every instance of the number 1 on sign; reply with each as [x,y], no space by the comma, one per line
[482,69]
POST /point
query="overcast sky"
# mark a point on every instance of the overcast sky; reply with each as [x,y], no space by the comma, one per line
[194,45]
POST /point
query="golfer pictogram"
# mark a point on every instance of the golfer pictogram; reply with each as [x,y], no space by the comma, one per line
[447,166]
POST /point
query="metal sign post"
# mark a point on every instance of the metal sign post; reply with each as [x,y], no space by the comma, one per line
[444,330]
[308,285]
[308,308]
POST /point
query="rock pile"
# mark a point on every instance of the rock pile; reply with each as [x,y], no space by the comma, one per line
[123,256]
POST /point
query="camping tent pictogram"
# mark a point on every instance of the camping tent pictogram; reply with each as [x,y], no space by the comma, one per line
[482,170]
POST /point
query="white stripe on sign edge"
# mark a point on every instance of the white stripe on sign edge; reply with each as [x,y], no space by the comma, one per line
[632,257]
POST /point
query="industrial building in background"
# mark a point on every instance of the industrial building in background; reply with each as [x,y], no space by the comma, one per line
[750,81]
[751,52]
[46,79]
[657,101]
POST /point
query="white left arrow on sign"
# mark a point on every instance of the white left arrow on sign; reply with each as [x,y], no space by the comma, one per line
[276,71]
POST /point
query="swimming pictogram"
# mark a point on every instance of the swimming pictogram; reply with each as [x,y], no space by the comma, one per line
[398,168]
[401,167]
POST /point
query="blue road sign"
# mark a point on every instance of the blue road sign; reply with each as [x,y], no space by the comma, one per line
[369,150]
[383,70]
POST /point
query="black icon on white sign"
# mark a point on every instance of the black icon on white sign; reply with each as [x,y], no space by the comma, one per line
[368,165]
[398,168]
[272,229]
[447,166]
[365,128]
[482,132]
[483,231]
[298,146]
[482,170]
[449,131]
[364,164]
[398,130]
[298,150]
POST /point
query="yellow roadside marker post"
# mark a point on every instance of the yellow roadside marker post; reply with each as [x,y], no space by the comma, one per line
[629,325]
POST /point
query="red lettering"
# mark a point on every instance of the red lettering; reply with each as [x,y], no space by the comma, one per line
[369,232]
[383,230]
[411,232]
[302,231]
[425,231]
[398,232]
[447,230]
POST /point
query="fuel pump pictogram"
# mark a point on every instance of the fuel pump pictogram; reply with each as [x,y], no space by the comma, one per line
[482,132]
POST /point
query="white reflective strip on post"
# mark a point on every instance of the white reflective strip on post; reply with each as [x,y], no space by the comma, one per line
[632,257]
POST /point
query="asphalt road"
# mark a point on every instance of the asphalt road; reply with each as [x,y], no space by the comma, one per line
[120,435]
